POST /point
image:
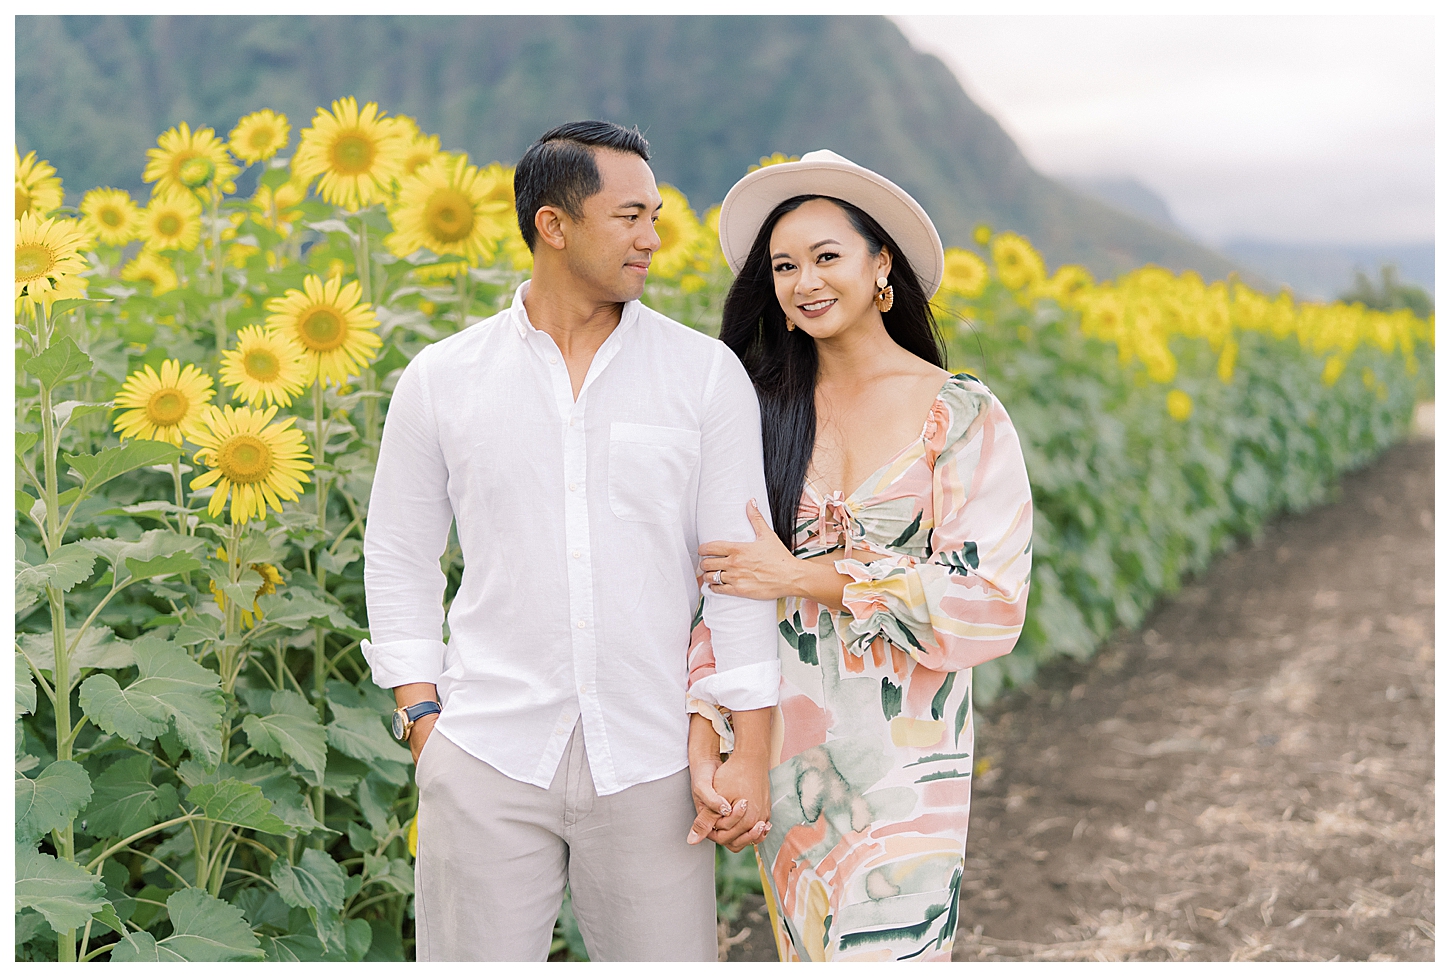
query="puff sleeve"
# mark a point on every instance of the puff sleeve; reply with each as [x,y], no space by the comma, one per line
[966,603]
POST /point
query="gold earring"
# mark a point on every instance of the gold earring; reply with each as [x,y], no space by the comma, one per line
[884,296]
[789,324]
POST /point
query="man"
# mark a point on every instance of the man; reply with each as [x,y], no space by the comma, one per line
[584,445]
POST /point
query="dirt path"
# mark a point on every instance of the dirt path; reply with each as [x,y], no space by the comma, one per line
[1249,776]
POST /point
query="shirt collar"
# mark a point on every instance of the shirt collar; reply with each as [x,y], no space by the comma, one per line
[627,317]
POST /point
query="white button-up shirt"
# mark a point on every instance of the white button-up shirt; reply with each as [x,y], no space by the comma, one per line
[579,522]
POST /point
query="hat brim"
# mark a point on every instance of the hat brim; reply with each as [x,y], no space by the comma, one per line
[751,200]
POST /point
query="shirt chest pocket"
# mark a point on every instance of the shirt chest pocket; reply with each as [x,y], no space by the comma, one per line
[649,470]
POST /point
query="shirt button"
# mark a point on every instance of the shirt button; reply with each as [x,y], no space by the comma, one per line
[584,690]
[573,486]
[581,624]
[576,554]
[571,422]
[553,360]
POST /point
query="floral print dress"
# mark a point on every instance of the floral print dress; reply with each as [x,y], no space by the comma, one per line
[872,740]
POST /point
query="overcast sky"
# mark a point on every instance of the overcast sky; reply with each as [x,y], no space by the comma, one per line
[1310,129]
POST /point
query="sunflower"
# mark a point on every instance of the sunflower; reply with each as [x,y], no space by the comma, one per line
[258,463]
[356,154]
[334,331]
[37,188]
[48,265]
[164,407]
[172,221]
[964,273]
[259,136]
[271,580]
[110,215]
[1069,283]
[1018,263]
[509,249]
[982,233]
[264,368]
[682,237]
[773,159]
[449,207]
[274,206]
[183,160]
[1180,405]
[419,149]
[148,266]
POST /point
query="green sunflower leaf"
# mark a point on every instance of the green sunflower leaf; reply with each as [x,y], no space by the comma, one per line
[203,929]
[360,734]
[50,801]
[67,567]
[233,802]
[98,469]
[171,690]
[291,730]
[61,361]
[63,892]
[24,687]
[126,800]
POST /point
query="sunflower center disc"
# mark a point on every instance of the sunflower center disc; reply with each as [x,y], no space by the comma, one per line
[245,459]
[111,217]
[33,261]
[261,138]
[168,225]
[195,171]
[352,155]
[166,407]
[322,330]
[262,365]
[450,216]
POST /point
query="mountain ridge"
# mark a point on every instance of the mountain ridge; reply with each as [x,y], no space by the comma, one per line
[93,92]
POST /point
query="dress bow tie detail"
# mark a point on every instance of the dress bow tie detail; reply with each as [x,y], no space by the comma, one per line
[836,517]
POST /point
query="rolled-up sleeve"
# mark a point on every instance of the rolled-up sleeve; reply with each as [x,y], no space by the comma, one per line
[745,670]
[407,529]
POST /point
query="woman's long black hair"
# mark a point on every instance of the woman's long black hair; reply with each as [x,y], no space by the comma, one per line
[783,364]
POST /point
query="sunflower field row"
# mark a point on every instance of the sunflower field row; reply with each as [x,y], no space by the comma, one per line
[203,769]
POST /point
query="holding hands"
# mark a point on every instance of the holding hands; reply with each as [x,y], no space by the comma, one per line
[745,777]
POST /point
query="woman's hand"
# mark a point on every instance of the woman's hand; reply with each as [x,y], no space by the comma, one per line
[762,570]
[765,569]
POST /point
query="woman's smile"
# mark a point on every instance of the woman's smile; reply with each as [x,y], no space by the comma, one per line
[817,308]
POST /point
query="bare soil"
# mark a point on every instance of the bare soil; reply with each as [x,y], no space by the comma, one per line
[1248,776]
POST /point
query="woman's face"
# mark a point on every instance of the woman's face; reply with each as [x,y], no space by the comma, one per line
[825,274]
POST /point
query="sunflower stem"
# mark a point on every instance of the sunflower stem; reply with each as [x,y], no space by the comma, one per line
[362,257]
[218,307]
[319,633]
[60,674]
[182,523]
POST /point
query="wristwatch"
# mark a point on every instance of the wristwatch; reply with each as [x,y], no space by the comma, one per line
[405,716]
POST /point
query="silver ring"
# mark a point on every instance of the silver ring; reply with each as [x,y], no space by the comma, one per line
[717,577]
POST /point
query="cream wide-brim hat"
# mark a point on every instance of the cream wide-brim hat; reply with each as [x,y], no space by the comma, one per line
[827,174]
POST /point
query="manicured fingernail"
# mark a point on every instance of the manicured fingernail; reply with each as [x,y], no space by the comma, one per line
[691,838]
[725,808]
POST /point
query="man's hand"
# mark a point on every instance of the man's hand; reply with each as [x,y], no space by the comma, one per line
[744,777]
[748,781]
[410,695]
[422,729]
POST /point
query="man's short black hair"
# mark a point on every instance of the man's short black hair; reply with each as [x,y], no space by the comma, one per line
[559,170]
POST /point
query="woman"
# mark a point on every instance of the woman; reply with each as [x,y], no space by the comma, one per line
[899,557]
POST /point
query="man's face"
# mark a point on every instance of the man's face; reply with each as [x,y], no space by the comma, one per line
[608,250]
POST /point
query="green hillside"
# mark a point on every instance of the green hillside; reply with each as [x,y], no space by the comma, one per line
[713,94]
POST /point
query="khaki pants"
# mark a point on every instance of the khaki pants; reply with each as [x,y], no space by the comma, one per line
[494,855]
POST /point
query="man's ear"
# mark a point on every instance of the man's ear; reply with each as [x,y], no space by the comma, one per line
[549,225]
